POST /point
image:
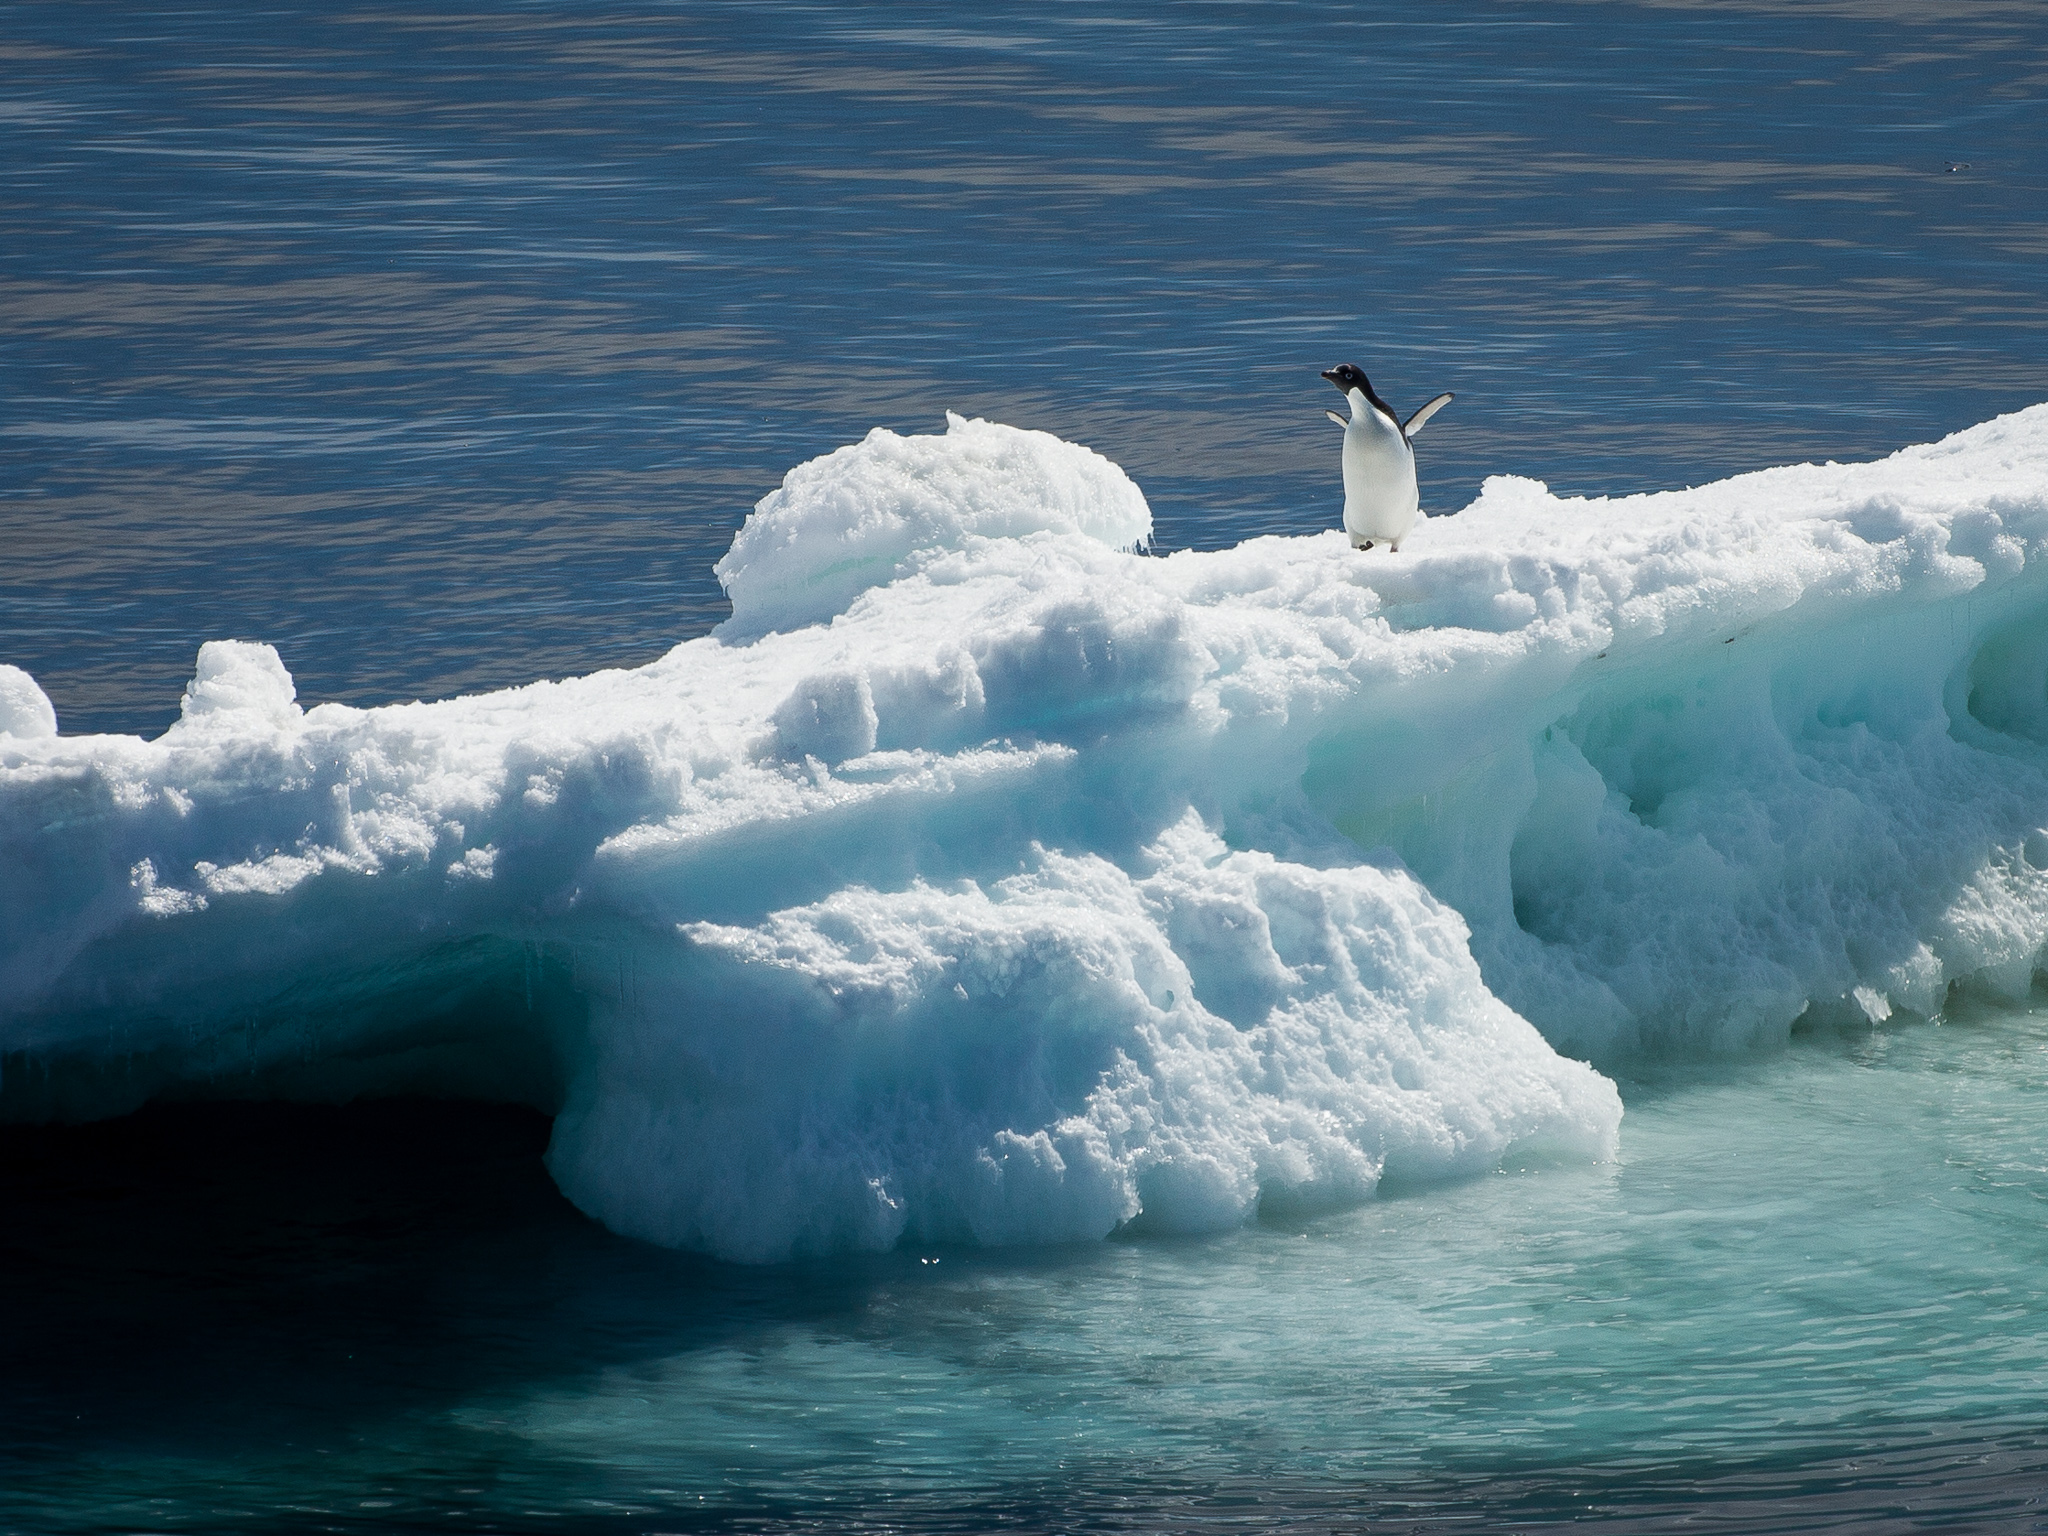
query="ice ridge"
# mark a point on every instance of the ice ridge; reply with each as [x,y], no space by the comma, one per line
[983,881]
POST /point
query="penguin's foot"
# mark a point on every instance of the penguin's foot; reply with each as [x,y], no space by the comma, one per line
[1362,548]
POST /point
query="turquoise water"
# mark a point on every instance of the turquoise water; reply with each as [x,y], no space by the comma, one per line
[1811,1290]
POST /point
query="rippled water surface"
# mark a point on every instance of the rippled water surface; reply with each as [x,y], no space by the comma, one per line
[445,349]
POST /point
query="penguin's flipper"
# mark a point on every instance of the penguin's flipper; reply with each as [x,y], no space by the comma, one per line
[1414,423]
[1337,419]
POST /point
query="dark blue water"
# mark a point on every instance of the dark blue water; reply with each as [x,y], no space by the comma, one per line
[446,349]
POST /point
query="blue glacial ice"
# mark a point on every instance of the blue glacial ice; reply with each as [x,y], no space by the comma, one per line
[984,879]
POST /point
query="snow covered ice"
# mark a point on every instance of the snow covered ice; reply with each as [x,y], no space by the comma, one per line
[984,880]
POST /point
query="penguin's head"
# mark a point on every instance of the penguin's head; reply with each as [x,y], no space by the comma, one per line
[1347,377]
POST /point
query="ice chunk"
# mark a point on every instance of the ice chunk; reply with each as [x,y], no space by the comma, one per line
[1033,1060]
[240,681]
[25,711]
[858,518]
[1045,889]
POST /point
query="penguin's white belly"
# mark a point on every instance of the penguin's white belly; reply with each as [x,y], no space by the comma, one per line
[1380,499]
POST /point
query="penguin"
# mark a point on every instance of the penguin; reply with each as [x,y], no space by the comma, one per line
[1380,498]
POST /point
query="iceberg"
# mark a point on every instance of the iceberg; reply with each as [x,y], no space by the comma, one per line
[985,879]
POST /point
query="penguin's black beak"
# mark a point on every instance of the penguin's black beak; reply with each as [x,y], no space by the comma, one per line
[1331,375]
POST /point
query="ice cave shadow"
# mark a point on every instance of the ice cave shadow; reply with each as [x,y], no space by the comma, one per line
[200,1275]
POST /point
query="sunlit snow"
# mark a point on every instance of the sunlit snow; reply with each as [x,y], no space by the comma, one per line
[985,880]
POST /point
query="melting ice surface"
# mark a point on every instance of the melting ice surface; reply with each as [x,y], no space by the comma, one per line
[984,879]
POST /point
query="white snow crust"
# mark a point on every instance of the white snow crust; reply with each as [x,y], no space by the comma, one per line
[983,881]
[24,708]
[871,512]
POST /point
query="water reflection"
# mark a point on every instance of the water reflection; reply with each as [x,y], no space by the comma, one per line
[231,1315]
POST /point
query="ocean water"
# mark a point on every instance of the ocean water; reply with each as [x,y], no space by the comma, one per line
[447,350]
[1807,1296]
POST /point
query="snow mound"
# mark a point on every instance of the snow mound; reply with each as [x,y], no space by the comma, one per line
[1006,887]
[25,710]
[862,516]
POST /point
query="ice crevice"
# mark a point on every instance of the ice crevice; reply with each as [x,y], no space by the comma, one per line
[984,881]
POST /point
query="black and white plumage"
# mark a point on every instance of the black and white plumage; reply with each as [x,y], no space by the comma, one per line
[1381,501]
